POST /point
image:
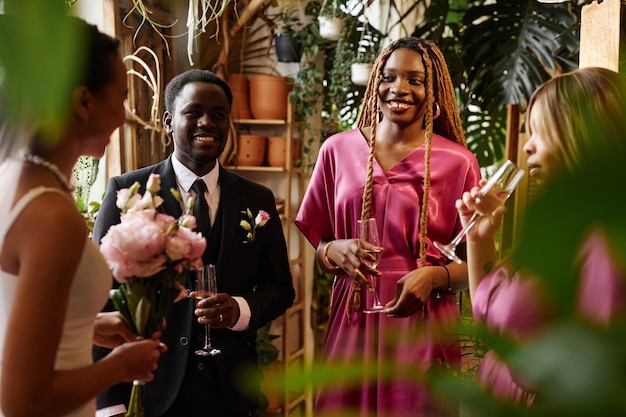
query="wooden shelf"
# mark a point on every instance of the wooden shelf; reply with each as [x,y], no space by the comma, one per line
[260,122]
[290,187]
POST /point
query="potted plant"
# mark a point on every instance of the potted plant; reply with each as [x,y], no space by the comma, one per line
[267,355]
[285,27]
[330,22]
[307,91]
[367,51]
[342,97]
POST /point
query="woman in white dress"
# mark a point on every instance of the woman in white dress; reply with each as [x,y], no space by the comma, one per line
[53,280]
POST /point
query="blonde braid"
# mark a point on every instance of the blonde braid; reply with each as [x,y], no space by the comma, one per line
[367,117]
[448,124]
[428,117]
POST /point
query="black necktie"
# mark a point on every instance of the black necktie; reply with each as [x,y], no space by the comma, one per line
[200,207]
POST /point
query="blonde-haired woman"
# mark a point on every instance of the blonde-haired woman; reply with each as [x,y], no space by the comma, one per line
[571,119]
[405,164]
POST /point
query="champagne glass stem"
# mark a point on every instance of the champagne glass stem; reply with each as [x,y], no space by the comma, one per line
[207,336]
[374,289]
[455,242]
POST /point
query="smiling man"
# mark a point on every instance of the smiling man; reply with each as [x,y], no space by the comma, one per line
[250,293]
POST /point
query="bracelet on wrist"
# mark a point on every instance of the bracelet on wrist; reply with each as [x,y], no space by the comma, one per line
[327,263]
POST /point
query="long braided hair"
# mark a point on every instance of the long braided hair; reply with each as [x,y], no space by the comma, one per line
[440,93]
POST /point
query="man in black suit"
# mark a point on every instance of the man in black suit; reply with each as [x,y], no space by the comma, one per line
[253,276]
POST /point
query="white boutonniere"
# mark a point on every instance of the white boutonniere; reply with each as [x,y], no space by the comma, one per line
[252,223]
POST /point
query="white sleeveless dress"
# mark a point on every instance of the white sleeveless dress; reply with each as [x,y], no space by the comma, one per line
[88,295]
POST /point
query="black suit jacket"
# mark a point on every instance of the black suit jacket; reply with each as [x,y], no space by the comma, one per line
[258,271]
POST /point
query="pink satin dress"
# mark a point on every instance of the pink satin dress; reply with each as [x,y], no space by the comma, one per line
[512,306]
[390,354]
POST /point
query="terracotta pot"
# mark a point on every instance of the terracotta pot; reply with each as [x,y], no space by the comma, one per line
[277,149]
[360,72]
[241,96]
[269,96]
[250,150]
[330,27]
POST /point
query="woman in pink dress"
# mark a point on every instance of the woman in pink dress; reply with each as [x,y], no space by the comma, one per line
[568,118]
[404,165]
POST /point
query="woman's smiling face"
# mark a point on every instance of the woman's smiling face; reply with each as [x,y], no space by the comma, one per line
[402,93]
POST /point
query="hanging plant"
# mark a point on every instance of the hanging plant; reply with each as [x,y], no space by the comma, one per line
[285,27]
[367,51]
[330,22]
[200,13]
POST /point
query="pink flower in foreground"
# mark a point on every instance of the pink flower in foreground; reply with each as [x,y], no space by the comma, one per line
[150,254]
[185,244]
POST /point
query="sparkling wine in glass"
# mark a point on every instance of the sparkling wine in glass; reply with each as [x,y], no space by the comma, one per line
[491,196]
[368,232]
[206,286]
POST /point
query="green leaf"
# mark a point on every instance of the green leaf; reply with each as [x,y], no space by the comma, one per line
[119,299]
[142,315]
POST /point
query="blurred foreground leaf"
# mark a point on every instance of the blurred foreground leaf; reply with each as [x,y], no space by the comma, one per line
[40,56]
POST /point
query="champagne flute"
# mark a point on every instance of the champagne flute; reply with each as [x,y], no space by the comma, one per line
[368,232]
[492,195]
[206,286]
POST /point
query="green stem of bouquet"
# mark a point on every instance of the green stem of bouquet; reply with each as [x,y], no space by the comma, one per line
[135,406]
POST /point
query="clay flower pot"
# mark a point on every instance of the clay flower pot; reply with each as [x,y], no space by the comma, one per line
[250,150]
[269,96]
[241,96]
[277,151]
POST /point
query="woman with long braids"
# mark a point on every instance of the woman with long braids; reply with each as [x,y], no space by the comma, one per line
[405,164]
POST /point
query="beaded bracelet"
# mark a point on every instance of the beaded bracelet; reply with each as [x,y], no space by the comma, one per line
[325,261]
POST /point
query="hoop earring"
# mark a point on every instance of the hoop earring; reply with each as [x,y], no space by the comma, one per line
[437,111]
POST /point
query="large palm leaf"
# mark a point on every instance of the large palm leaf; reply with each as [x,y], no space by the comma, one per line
[498,54]
[510,48]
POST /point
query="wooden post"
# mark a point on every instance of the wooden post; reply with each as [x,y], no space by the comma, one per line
[600,34]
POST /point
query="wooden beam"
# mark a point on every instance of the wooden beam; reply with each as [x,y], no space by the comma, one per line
[599,34]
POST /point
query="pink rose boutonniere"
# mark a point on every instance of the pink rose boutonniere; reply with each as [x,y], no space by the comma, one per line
[252,223]
[150,254]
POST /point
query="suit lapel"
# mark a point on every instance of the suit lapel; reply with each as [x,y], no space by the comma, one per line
[170,205]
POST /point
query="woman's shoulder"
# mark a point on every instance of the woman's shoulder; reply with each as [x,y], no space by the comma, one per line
[446,152]
[441,142]
[352,134]
[341,140]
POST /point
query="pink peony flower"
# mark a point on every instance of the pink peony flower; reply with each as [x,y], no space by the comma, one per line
[150,254]
[188,221]
[185,244]
[126,199]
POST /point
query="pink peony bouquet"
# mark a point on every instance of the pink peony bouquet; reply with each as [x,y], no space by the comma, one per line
[150,255]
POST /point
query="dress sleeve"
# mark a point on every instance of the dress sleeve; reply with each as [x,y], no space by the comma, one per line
[314,217]
[510,305]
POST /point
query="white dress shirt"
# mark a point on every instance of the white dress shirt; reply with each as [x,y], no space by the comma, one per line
[185,179]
